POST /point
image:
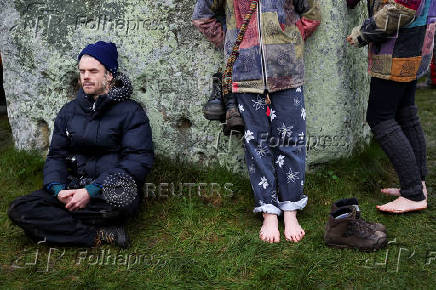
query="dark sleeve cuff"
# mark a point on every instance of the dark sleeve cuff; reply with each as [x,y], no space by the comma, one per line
[55,188]
[93,189]
[362,42]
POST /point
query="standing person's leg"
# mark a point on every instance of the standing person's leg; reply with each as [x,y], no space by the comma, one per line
[288,141]
[383,102]
[407,117]
[259,160]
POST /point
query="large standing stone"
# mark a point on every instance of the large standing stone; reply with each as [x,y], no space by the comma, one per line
[170,65]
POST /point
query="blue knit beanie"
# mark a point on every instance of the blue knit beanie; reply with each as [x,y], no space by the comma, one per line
[105,52]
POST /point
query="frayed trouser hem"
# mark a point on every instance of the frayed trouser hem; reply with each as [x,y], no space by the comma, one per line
[293,205]
[268,208]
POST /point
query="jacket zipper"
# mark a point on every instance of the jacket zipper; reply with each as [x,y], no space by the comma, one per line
[96,136]
[262,49]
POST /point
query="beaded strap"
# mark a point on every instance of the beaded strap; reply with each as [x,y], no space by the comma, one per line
[227,76]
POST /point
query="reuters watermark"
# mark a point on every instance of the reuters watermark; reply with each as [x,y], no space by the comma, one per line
[175,190]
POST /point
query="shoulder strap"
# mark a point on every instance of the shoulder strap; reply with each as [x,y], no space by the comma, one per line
[227,77]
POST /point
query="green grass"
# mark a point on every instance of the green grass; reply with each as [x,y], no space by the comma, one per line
[212,239]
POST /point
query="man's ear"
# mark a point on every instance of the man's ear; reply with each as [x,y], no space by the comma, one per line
[110,76]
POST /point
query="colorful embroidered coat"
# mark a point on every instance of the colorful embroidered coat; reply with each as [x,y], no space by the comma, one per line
[271,54]
[400,34]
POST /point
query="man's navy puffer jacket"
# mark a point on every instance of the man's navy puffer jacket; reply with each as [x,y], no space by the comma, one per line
[111,136]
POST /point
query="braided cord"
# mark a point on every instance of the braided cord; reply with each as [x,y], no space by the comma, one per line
[227,77]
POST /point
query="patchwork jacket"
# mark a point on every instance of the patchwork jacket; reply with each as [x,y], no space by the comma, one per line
[271,54]
[400,34]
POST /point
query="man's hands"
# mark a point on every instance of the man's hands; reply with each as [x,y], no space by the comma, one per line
[64,196]
[74,199]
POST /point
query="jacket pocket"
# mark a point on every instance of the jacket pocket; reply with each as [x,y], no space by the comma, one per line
[276,33]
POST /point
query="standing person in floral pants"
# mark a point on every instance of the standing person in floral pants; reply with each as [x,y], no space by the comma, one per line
[267,81]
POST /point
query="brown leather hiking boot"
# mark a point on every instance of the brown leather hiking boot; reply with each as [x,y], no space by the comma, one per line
[353,202]
[345,230]
[112,235]
[234,122]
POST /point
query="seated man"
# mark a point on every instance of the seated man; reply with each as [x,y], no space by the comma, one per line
[100,154]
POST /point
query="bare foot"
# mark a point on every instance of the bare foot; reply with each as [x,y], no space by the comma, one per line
[403,205]
[270,229]
[293,231]
[396,191]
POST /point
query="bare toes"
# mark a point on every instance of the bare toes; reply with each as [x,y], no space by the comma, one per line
[299,237]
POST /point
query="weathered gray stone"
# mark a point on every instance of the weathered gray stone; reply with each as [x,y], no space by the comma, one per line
[170,65]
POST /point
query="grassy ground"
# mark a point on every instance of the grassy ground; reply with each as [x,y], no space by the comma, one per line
[212,239]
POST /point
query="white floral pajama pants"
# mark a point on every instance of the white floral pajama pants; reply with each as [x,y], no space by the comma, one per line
[275,149]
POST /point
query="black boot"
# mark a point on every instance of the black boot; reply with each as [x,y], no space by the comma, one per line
[409,122]
[214,109]
[396,145]
[353,202]
[115,235]
[345,230]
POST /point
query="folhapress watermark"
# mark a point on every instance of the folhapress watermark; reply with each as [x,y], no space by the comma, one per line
[106,257]
[396,255]
[47,259]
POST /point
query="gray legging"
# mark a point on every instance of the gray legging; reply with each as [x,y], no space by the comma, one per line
[392,116]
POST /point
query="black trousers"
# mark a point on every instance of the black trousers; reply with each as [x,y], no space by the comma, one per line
[387,98]
[44,218]
[392,116]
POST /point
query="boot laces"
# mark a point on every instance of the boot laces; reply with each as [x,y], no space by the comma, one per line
[359,217]
[108,237]
[358,228]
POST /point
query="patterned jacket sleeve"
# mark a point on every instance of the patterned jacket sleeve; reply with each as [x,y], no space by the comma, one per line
[387,21]
[310,16]
[205,18]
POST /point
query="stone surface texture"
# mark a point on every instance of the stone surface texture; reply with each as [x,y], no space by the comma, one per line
[170,65]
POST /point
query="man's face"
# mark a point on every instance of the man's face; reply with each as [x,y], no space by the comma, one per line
[93,76]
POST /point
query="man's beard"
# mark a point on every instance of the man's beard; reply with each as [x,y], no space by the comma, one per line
[97,90]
